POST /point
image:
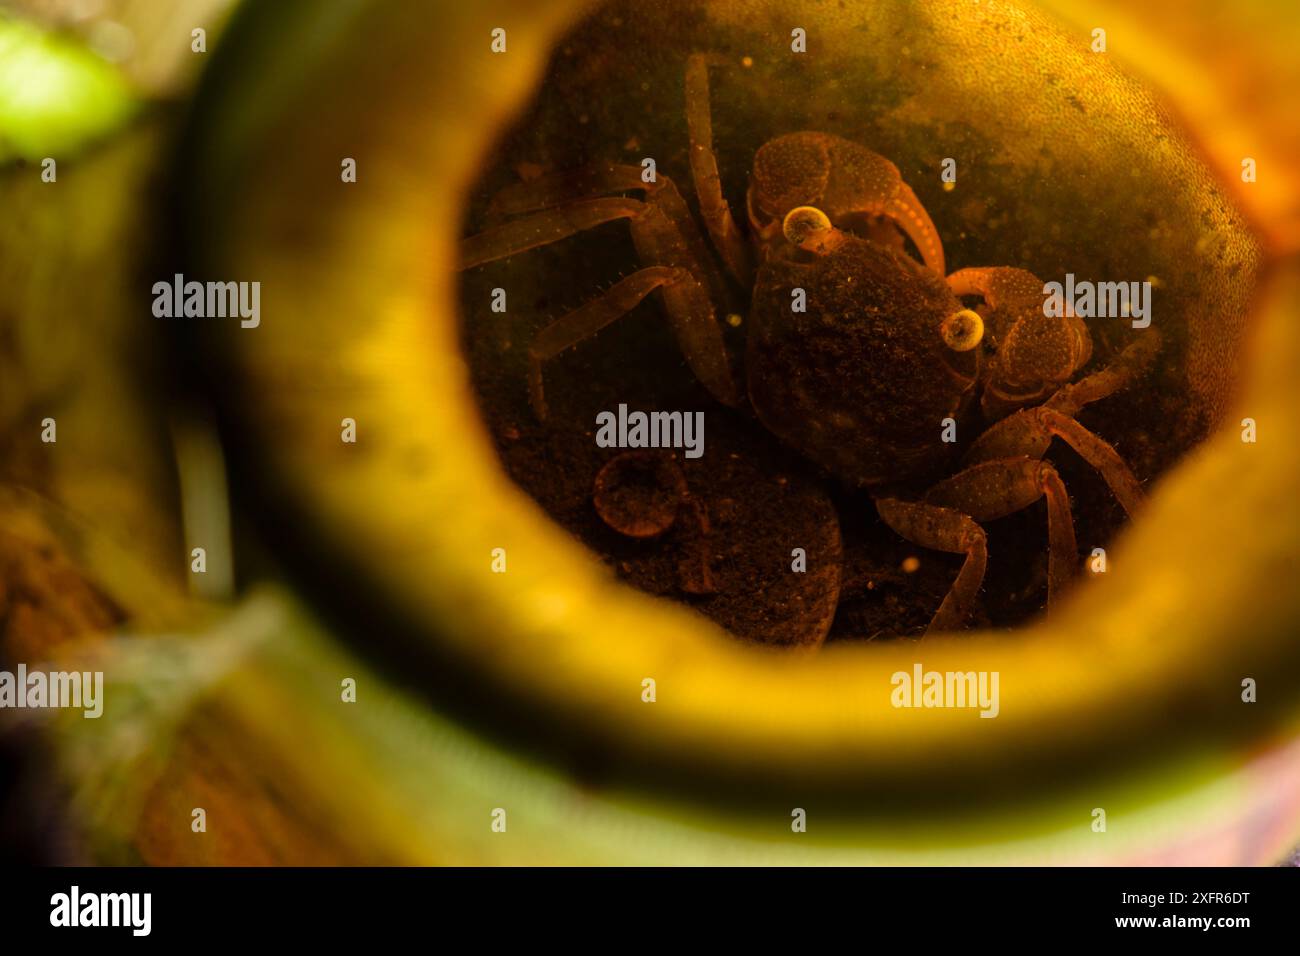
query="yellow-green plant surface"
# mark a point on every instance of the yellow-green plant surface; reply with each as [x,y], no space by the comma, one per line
[1127,700]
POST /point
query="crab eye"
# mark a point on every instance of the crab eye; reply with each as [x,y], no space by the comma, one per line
[962,331]
[803,223]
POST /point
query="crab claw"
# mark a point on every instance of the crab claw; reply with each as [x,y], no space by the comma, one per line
[842,179]
[999,285]
[1037,353]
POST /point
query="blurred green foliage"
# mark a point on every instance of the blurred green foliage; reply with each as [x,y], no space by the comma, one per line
[55,95]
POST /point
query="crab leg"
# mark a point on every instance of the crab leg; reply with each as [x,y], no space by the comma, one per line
[1131,365]
[1031,430]
[544,228]
[689,310]
[946,521]
[557,189]
[666,240]
[995,489]
[560,205]
[943,529]
[704,171]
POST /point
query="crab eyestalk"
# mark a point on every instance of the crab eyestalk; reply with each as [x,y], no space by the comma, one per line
[810,229]
[963,330]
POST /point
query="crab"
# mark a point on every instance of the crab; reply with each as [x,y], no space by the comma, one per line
[870,379]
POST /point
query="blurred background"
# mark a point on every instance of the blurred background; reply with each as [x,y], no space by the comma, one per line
[217,153]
